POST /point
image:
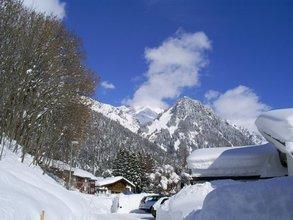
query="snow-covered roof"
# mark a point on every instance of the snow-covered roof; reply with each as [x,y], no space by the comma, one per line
[111,180]
[256,160]
[76,171]
[85,174]
[278,125]
[59,165]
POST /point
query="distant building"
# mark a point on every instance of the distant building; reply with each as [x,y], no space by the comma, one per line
[88,183]
[116,184]
[82,180]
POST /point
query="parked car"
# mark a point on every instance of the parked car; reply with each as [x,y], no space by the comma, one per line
[147,202]
[157,205]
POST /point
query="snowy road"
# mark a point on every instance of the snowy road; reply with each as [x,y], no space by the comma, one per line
[128,209]
[129,216]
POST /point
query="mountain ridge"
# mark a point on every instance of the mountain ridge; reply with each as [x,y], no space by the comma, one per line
[185,126]
[191,124]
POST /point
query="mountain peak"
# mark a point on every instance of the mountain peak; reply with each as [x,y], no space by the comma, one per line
[187,100]
[145,115]
[189,124]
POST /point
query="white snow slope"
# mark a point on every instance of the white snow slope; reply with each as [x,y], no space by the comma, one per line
[25,192]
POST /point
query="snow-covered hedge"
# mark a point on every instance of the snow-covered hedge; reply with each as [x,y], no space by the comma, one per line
[188,200]
[227,199]
[262,200]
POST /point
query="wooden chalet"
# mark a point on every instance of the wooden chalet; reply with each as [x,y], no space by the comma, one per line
[88,183]
[80,179]
[84,181]
[116,184]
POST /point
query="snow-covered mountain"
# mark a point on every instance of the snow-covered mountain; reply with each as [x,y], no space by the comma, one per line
[184,127]
[110,129]
[128,117]
[145,115]
[123,115]
[189,125]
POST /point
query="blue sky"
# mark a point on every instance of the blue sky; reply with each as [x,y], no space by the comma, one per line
[250,56]
[252,43]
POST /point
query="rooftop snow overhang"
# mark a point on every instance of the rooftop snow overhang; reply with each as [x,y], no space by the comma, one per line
[256,160]
[277,128]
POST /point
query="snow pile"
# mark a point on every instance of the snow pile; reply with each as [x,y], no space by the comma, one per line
[188,200]
[277,124]
[266,199]
[25,192]
[257,160]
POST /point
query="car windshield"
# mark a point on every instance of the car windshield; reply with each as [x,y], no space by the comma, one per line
[152,198]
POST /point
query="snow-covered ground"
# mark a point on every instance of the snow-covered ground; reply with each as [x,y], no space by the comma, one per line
[25,191]
[128,209]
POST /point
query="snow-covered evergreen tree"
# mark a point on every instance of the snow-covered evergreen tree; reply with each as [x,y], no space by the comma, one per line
[126,164]
[147,164]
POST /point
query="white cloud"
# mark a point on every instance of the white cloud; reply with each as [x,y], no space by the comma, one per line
[172,66]
[107,85]
[211,94]
[240,106]
[48,7]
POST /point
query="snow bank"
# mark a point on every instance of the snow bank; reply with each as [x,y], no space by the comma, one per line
[258,160]
[265,199]
[25,192]
[188,200]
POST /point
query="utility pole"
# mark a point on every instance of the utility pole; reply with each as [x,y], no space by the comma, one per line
[2,148]
[71,160]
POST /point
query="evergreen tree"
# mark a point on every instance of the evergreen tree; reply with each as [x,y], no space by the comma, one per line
[127,164]
[147,164]
[121,163]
